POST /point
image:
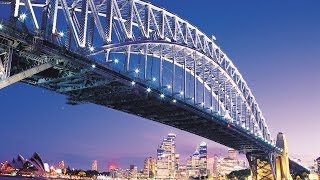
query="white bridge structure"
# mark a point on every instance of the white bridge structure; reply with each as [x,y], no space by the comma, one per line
[138,58]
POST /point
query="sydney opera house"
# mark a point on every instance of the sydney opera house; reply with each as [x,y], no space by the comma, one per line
[22,166]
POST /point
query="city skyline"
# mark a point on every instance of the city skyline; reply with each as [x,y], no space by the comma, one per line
[279,40]
[165,165]
[103,165]
[165,153]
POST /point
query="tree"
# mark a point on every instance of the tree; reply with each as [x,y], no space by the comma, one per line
[82,174]
[241,174]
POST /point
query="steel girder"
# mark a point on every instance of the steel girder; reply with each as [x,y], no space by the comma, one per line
[262,165]
[138,27]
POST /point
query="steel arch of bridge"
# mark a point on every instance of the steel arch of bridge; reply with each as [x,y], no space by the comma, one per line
[139,30]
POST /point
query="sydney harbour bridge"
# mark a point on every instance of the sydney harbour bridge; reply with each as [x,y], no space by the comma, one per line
[138,58]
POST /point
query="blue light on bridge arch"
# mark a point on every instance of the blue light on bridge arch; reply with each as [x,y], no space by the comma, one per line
[61,34]
[154,79]
[22,17]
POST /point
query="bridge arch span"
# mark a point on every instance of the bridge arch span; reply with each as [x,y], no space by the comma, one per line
[135,30]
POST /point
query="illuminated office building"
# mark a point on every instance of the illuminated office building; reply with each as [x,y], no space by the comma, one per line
[229,164]
[197,163]
[149,168]
[166,165]
[203,159]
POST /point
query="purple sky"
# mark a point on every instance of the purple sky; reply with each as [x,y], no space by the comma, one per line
[275,45]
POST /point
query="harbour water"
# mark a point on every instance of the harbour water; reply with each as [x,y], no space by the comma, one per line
[22,178]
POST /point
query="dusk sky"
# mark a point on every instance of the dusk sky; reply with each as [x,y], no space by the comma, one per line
[275,45]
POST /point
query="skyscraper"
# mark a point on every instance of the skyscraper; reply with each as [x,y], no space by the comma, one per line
[203,159]
[193,165]
[197,163]
[94,165]
[166,158]
[149,169]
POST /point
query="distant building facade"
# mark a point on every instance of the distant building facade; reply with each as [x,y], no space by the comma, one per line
[133,172]
[317,164]
[228,164]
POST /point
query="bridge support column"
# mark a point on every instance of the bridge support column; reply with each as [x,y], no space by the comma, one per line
[22,75]
[5,63]
[282,161]
[272,165]
[261,166]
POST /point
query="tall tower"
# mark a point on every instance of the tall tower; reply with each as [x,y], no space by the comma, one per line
[94,165]
[166,158]
[203,159]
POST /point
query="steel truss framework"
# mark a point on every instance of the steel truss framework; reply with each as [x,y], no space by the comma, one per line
[72,46]
[133,27]
[262,166]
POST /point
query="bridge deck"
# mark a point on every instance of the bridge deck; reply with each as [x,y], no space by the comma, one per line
[116,91]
